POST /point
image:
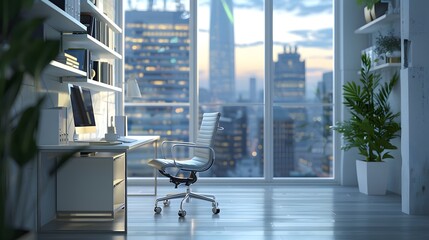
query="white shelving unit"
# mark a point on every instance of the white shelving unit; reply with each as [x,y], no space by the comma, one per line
[378,23]
[73,36]
[91,84]
[58,69]
[383,22]
[386,65]
[87,6]
[56,17]
[107,199]
[98,49]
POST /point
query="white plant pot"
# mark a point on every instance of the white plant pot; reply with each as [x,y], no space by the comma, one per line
[372,177]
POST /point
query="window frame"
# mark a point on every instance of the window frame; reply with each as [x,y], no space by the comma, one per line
[268,106]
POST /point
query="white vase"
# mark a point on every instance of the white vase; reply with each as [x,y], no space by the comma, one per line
[396,53]
[393,57]
[372,177]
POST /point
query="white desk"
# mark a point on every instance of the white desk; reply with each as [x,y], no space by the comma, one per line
[47,219]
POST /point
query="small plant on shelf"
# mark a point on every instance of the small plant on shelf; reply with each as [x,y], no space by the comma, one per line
[388,45]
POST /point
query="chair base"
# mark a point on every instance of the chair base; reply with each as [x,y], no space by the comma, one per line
[185,198]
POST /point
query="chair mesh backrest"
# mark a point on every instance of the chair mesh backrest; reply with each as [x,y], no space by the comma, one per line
[206,134]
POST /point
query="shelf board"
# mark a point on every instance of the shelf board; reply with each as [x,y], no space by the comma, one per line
[59,69]
[56,17]
[98,49]
[87,6]
[91,84]
[386,65]
[383,66]
[378,23]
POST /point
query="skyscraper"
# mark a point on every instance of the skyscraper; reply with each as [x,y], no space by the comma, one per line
[157,55]
[289,76]
[222,51]
[231,144]
[290,121]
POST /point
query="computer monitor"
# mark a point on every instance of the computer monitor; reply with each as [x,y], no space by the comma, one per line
[83,112]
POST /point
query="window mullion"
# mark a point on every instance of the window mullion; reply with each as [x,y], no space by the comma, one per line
[193,74]
[268,108]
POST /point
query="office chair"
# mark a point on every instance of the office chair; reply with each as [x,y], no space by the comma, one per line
[202,159]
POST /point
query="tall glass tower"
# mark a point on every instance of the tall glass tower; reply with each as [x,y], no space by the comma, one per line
[157,56]
[222,51]
[290,120]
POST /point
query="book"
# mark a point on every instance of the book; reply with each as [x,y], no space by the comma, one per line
[83,58]
[69,56]
[103,72]
[89,21]
[72,65]
[62,57]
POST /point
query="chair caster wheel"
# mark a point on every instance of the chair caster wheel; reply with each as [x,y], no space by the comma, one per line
[216,210]
[166,203]
[182,213]
[157,210]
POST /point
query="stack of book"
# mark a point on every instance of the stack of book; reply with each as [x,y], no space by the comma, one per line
[68,60]
[83,57]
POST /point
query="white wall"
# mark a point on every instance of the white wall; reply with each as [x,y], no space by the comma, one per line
[348,51]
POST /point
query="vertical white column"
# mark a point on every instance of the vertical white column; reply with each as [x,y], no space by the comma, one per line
[415,106]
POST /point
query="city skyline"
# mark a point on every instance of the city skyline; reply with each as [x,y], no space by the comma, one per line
[157,48]
[313,37]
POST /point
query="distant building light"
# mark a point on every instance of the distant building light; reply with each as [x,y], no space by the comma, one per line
[174,40]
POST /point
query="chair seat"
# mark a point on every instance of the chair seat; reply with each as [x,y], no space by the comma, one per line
[193,164]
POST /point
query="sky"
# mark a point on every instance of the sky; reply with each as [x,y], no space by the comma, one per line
[306,24]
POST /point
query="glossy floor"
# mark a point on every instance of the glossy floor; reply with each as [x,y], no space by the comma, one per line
[270,212]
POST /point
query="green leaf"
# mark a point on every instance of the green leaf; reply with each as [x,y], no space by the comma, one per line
[24,137]
[36,60]
[10,91]
[10,10]
[372,125]
[387,155]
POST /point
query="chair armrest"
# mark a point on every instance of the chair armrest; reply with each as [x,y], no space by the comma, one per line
[192,145]
[164,146]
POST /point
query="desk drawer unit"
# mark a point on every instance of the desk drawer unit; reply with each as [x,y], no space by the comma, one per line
[92,186]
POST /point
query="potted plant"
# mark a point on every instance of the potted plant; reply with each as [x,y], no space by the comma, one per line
[373,9]
[389,47]
[371,127]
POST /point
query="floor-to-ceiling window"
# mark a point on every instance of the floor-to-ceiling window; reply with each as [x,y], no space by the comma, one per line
[231,36]
[302,88]
[231,81]
[157,59]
